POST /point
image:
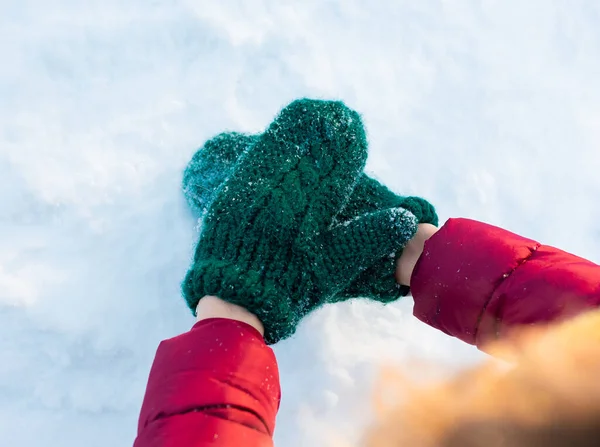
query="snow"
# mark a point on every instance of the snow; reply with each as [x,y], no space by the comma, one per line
[491,109]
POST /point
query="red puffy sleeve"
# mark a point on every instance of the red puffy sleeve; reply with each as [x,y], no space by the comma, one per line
[216,385]
[477,282]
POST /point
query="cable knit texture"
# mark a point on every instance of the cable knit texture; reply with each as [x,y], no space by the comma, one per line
[270,240]
[213,163]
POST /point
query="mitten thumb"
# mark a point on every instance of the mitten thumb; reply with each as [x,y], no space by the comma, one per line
[353,246]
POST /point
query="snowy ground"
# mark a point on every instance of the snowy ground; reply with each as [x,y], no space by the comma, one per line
[489,108]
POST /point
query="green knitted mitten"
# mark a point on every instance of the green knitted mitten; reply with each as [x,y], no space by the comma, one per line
[269,240]
[214,162]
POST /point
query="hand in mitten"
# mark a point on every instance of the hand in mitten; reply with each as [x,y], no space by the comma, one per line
[214,162]
[270,241]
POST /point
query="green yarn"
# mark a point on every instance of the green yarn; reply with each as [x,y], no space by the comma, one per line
[214,162]
[211,165]
[270,241]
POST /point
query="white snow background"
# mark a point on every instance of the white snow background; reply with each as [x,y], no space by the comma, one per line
[491,109]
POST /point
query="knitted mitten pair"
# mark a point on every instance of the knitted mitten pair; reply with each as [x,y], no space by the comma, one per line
[290,221]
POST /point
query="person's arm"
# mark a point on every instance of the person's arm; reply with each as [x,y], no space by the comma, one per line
[411,253]
[477,282]
[216,385]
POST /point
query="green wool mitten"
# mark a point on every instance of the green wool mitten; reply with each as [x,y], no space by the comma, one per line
[214,162]
[270,241]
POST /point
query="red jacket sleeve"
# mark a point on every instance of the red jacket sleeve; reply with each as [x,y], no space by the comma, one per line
[477,282]
[216,385]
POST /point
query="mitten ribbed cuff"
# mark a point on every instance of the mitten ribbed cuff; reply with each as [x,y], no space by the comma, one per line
[248,289]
